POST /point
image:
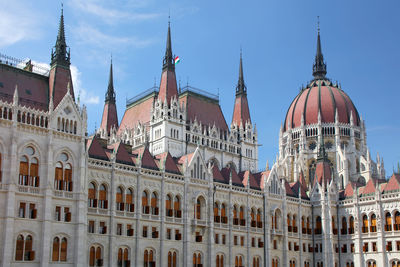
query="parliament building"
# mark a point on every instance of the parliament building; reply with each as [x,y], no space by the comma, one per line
[173,184]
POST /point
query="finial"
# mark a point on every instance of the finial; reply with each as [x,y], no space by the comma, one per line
[318,24]
[62,8]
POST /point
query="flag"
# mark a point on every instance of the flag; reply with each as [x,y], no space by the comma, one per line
[177,59]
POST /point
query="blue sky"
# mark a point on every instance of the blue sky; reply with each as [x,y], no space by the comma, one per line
[360,42]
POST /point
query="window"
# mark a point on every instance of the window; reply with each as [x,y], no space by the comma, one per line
[145,204]
[21,211]
[123,258]
[119,229]
[154,232]
[242,241]
[197,209]
[178,235]
[172,259]
[197,259]
[103,203]
[365,224]
[129,230]
[397,221]
[92,200]
[217,218]
[216,238]
[60,250]
[199,238]
[57,215]
[373,223]
[177,207]
[241,216]
[0,169]
[149,258]
[29,168]
[223,239]
[275,262]
[256,262]
[238,261]
[95,256]
[318,228]
[91,227]
[168,234]
[130,206]
[235,240]
[235,216]
[344,226]
[389,246]
[219,261]
[365,247]
[32,211]
[23,250]
[168,206]
[259,222]
[67,214]
[144,232]
[102,228]
[388,222]
[63,173]
[373,246]
[119,199]
[351,225]
[224,219]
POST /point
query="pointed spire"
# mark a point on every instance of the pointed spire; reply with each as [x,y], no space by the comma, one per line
[321,152]
[168,62]
[319,67]
[60,54]
[110,94]
[241,87]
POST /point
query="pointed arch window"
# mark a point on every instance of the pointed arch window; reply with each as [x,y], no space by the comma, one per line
[154,204]
[172,261]
[224,218]
[60,247]
[259,221]
[197,260]
[63,173]
[149,260]
[103,196]
[145,203]
[241,216]
[130,206]
[123,258]
[119,199]
[177,207]
[318,227]
[365,224]
[168,205]
[388,221]
[344,226]
[235,216]
[23,249]
[92,195]
[29,168]
[351,225]
[373,223]
[219,261]
[397,221]
[238,261]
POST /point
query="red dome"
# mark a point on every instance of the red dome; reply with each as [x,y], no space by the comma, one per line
[323,96]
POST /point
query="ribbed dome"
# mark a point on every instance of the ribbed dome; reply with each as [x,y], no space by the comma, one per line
[321,96]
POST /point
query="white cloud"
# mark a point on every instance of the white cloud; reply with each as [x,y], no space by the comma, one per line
[90,35]
[112,15]
[86,97]
[18,23]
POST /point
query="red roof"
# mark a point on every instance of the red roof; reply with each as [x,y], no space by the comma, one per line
[226,172]
[168,163]
[123,155]
[247,177]
[137,112]
[187,157]
[110,118]
[321,96]
[168,88]
[289,191]
[241,113]
[33,89]
[97,148]
[323,174]
[369,188]
[217,176]
[298,186]
[206,111]
[58,84]
[393,183]
[148,160]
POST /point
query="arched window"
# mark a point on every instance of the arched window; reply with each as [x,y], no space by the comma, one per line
[177,207]
[219,261]
[371,263]
[224,218]
[388,221]
[172,261]
[145,203]
[23,250]
[238,261]
[197,259]
[365,224]
[235,216]
[217,218]
[308,226]
[168,206]
[318,224]
[241,216]
[154,203]
[56,249]
[63,249]
[119,199]
[123,258]
[344,226]
[103,203]
[397,221]
[149,260]
[95,256]
[92,200]
[294,224]
[351,225]
[63,173]
[60,251]
[130,206]
[0,167]
[198,209]
[259,221]
[292,263]
[29,168]
[334,229]
[373,223]
[256,262]
[289,223]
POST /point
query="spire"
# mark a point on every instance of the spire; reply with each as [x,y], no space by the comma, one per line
[241,87]
[168,62]
[110,94]
[321,152]
[241,111]
[319,66]
[59,54]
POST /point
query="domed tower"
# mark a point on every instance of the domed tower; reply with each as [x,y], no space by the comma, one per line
[322,111]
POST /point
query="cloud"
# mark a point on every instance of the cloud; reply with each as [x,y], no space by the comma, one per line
[113,15]
[90,35]
[18,23]
[86,97]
